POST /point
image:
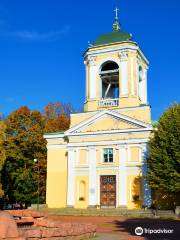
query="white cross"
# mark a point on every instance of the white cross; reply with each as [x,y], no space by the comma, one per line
[116,10]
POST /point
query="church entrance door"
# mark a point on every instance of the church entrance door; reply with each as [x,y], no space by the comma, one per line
[108,191]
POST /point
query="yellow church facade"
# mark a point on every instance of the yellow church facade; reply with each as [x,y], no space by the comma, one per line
[101,160]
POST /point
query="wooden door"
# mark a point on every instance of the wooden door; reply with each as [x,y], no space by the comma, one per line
[108,191]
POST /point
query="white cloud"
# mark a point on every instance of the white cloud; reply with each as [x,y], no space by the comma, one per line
[37,35]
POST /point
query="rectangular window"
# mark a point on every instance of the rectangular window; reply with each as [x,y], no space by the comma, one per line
[108,155]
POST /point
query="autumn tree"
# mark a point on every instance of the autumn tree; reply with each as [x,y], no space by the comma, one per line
[57,117]
[164,159]
[24,142]
[2,153]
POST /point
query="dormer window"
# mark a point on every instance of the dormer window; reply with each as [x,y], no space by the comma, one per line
[109,74]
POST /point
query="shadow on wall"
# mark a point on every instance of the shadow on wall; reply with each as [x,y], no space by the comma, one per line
[137,192]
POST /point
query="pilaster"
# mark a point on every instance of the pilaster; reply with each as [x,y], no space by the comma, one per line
[124,73]
[71,177]
[92,77]
[92,176]
[145,187]
[122,176]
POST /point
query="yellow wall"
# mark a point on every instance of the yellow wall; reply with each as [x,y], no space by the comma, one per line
[132,100]
[140,113]
[134,153]
[108,123]
[82,157]
[81,199]
[134,191]
[56,193]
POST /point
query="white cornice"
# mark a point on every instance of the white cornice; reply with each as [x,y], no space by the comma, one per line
[111,132]
[119,109]
[111,142]
[98,143]
[138,123]
[117,49]
[53,136]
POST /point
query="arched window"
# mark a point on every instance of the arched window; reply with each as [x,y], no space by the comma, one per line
[109,74]
[140,73]
[82,191]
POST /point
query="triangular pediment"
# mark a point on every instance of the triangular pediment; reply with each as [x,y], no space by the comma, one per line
[108,121]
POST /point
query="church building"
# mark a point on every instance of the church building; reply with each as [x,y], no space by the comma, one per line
[100,161]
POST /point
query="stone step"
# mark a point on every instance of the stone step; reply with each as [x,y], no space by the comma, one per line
[111,212]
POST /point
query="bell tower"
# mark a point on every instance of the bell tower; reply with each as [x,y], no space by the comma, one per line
[116,72]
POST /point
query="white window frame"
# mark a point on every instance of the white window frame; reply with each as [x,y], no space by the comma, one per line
[108,155]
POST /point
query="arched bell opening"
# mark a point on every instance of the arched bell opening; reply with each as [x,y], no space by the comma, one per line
[109,74]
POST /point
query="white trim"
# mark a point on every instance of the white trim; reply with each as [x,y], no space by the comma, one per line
[108,112]
[98,143]
[110,49]
[116,49]
[92,176]
[98,189]
[102,155]
[71,178]
[122,176]
[119,109]
[77,157]
[132,76]
[128,154]
[137,77]
[54,136]
[129,130]
[136,169]
[107,168]
[146,189]
[92,82]
[101,143]
[124,78]
[81,173]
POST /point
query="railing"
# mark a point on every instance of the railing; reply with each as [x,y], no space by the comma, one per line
[108,102]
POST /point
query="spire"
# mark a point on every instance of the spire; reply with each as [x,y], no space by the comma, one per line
[116,24]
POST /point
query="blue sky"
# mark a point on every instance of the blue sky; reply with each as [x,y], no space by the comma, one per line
[42,42]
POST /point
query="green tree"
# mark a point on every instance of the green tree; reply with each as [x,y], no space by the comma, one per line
[164,160]
[2,153]
[24,142]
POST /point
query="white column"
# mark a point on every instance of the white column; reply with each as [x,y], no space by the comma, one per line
[137,77]
[92,176]
[122,176]
[71,177]
[144,87]
[92,77]
[146,189]
[132,76]
[124,74]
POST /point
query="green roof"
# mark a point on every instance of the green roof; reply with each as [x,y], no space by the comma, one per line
[112,37]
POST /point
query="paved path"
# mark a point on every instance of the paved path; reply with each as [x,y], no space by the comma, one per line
[123,228]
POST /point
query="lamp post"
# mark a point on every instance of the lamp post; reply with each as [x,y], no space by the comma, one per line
[36,161]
